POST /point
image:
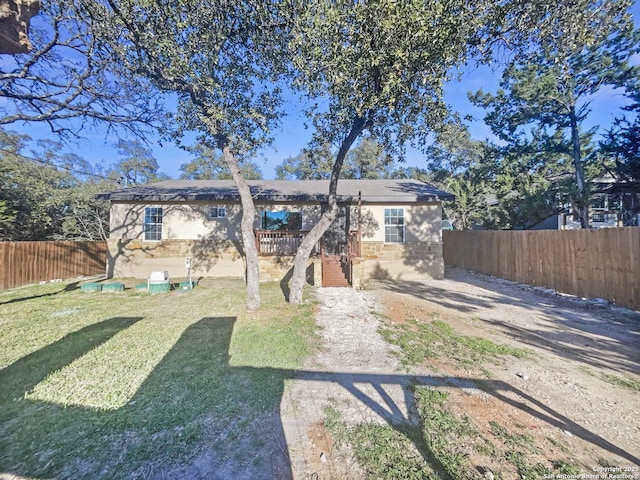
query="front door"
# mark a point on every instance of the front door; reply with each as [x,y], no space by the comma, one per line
[335,238]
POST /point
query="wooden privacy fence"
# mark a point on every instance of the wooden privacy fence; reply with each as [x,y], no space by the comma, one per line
[601,263]
[24,263]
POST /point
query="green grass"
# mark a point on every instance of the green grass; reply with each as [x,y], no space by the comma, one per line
[382,451]
[621,381]
[444,433]
[118,385]
[440,447]
[512,440]
[423,340]
[618,380]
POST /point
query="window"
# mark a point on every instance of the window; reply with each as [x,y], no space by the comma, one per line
[152,223]
[217,212]
[599,202]
[394,225]
[281,221]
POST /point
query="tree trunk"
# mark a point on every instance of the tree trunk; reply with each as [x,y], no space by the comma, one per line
[313,237]
[581,206]
[248,239]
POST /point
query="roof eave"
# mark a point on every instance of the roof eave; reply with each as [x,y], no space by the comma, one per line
[269,198]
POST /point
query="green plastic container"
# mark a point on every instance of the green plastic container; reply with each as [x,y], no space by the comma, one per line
[113,287]
[91,287]
[159,287]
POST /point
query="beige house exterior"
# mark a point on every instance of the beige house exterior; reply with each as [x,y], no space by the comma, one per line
[397,224]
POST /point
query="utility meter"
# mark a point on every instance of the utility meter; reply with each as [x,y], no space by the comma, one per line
[187,262]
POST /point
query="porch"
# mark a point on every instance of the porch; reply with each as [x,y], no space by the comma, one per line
[336,265]
[277,243]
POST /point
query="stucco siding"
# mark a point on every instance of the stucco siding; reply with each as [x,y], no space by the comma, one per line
[423,222]
[191,221]
[180,221]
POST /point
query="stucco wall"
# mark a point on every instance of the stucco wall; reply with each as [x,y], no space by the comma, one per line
[423,222]
[190,221]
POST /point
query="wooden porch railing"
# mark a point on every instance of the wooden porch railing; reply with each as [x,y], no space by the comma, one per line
[286,242]
[279,242]
[353,244]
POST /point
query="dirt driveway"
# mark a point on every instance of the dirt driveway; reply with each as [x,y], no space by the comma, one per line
[572,393]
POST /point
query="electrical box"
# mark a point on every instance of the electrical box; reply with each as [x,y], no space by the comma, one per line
[187,262]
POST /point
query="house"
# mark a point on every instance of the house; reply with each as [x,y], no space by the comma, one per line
[614,203]
[385,229]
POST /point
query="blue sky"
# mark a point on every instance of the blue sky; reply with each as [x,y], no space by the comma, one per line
[98,146]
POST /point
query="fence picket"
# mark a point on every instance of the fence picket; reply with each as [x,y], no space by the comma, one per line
[24,263]
[592,263]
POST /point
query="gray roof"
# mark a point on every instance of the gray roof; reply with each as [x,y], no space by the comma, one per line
[401,191]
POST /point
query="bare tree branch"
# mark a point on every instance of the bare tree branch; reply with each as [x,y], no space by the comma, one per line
[69,75]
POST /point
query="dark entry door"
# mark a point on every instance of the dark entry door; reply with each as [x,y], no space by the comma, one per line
[335,238]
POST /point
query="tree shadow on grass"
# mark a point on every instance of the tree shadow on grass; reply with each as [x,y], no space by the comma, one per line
[198,411]
[193,397]
[21,376]
[70,287]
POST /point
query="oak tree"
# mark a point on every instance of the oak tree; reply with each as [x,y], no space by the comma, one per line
[220,59]
[209,165]
[380,67]
[367,159]
[66,75]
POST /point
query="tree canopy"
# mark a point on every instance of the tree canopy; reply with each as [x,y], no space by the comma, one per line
[381,67]
[587,47]
[222,60]
[47,194]
[366,160]
[209,165]
[67,74]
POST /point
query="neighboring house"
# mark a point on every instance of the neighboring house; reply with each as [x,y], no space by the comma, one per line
[614,203]
[386,228]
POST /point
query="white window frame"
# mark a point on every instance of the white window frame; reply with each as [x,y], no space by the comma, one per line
[217,212]
[153,213]
[391,220]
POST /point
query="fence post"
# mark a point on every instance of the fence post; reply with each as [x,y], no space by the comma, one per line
[4,263]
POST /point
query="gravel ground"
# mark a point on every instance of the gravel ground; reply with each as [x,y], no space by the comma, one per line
[354,372]
[560,392]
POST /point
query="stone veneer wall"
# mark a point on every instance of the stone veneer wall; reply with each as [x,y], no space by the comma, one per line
[275,269]
[399,251]
[209,258]
[408,261]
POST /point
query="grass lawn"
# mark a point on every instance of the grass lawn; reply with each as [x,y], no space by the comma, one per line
[106,385]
